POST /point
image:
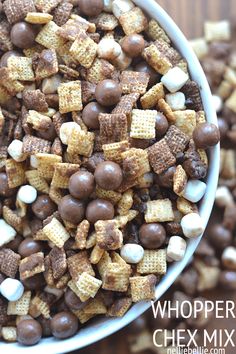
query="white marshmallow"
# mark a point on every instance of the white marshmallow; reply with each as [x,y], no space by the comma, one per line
[217,103]
[27,194]
[119,7]
[200,47]
[108,49]
[11,289]
[174,79]
[176,101]
[122,62]
[7,233]
[51,84]
[33,161]
[194,190]
[132,253]
[50,112]
[108,5]
[176,248]
[15,150]
[192,225]
[66,130]
[223,197]
[229,258]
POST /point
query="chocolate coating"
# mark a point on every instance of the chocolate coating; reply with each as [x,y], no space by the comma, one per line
[29,332]
[90,114]
[36,282]
[108,175]
[223,127]
[206,135]
[228,280]
[91,7]
[6,56]
[108,93]
[43,207]
[48,134]
[161,124]
[165,179]
[71,209]
[133,45]
[145,68]
[5,191]
[220,237]
[14,244]
[72,300]
[64,325]
[23,35]
[81,184]
[29,246]
[152,235]
[99,209]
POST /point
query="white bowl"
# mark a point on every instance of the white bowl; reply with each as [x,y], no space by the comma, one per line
[101,328]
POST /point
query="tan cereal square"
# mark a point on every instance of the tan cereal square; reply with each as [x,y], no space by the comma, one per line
[143,124]
[21,68]
[133,21]
[84,50]
[153,262]
[56,233]
[159,211]
[185,121]
[49,37]
[151,97]
[70,97]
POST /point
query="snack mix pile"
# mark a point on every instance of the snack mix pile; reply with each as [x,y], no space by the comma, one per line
[102,156]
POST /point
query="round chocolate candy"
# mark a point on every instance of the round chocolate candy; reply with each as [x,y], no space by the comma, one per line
[108,175]
[143,67]
[64,325]
[206,135]
[228,280]
[161,124]
[152,235]
[6,56]
[223,127]
[72,300]
[23,35]
[91,7]
[220,237]
[71,209]
[108,93]
[29,246]
[36,282]
[29,332]
[90,114]
[133,45]
[99,209]
[43,207]
[81,184]
[5,191]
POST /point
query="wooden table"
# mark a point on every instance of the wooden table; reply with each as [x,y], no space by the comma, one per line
[190,16]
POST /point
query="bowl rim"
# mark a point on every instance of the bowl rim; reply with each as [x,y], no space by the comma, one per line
[102,328]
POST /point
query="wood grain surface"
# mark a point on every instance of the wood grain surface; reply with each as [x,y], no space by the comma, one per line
[190,16]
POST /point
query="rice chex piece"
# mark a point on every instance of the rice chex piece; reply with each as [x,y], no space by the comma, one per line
[113,151]
[82,316]
[125,203]
[15,172]
[116,277]
[33,145]
[56,233]
[155,31]
[112,196]
[37,181]
[16,10]
[193,96]
[9,334]
[45,64]
[5,38]
[135,163]
[84,50]
[151,97]
[108,236]
[106,22]
[133,21]
[100,70]
[179,181]
[12,218]
[113,127]
[160,156]
[95,306]
[176,139]
[57,258]
[46,5]
[9,262]
[35,100]
[78,264]
[4,95]
[119,307]
[81,143]
[3,311]
[185,121]
[62,13]
[70,97]
[74,26]
[46,164]
[143,124]
[143,287]
[81,235]
[154,261]
[62,174]
[157,59]
[88,286]
[49,37]
[11,85]
[29,266]
[166,110]
[103,263]
[159,211]
[40,307]
[126,104]
[37,18]
[168,51]
[96,254]
[21,68]
[38,121]
[134,82]
[21,306]
[185,206]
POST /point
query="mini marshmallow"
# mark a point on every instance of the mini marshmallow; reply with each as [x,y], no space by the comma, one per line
[122,62]
[194,190]
[132,253]
[174,79]
[192,225]
[66,130]
[176,101]
[50,112]
[229,258]
[51,84]
[119,7]
[217,31]
[108,5]
[7,232]
[217,103]
[11,289]
[176,248]
[27,194]
[200,47]
[15,150]
[33,161]
[108,49]
[223,197]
